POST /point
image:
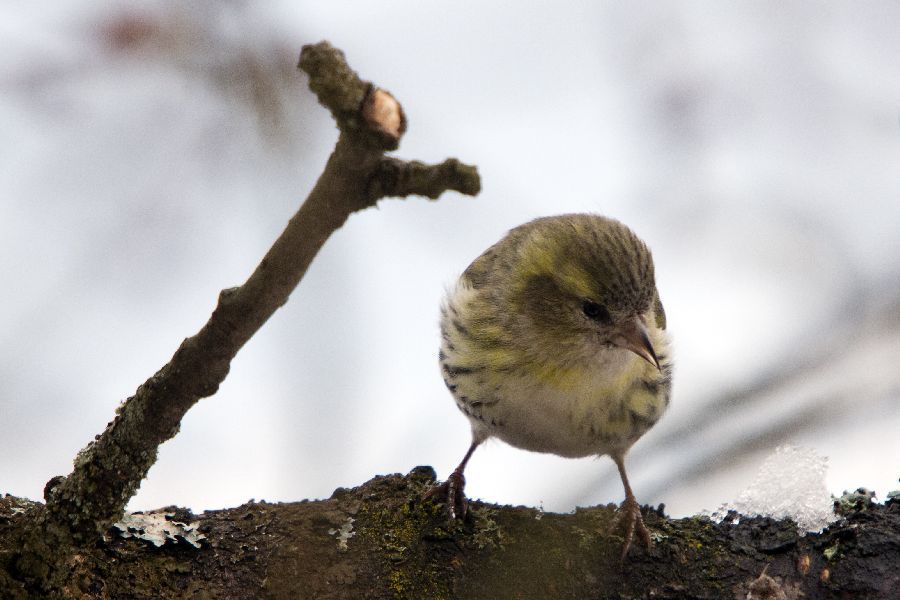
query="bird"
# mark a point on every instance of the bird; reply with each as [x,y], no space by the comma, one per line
[554,340]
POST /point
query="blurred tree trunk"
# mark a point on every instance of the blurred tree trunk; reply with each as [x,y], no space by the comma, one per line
[381,540]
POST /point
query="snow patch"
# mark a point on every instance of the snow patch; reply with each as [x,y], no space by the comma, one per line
[790,484]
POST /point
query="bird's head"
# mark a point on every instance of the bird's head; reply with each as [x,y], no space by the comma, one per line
[585,284]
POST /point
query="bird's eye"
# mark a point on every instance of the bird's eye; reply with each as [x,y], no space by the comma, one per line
[595,312]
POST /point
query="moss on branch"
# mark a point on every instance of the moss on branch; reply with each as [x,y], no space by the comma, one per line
[382,540]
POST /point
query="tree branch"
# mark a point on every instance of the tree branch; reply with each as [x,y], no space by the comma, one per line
[382,540]
[108,472]
[404,178]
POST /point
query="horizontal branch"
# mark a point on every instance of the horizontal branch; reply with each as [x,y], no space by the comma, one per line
[382,540]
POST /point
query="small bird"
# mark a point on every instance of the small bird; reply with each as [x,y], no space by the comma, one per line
[554,340]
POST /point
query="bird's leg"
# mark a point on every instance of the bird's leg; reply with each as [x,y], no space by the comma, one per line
[452,490]
[630,513]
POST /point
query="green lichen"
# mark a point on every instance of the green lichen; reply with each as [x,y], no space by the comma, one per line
[859,499]
[488,534]
[404,531]
[586,538]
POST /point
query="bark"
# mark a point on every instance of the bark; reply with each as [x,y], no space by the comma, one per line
[382,540]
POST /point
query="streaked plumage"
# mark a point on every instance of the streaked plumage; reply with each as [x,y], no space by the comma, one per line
[554,340]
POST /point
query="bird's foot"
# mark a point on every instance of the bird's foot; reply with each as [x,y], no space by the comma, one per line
[630,518]
[451,492]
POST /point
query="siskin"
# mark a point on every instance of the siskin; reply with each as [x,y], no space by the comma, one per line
[554,340]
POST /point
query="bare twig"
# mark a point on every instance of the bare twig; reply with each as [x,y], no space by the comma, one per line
[108,472]
[404,178]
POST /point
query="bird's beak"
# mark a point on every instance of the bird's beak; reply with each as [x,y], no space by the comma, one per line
[632,335]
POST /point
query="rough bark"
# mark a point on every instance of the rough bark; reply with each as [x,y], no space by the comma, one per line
[382,540]
[109,470]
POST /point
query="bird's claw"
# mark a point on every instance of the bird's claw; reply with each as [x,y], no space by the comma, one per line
[451,492]
[630,516]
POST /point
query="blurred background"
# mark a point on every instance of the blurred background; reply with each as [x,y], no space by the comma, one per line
[151,151]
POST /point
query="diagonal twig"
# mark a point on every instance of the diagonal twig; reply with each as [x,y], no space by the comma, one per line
[371,121]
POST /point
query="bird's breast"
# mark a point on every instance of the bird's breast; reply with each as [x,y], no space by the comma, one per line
[590,406]
[570,411]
